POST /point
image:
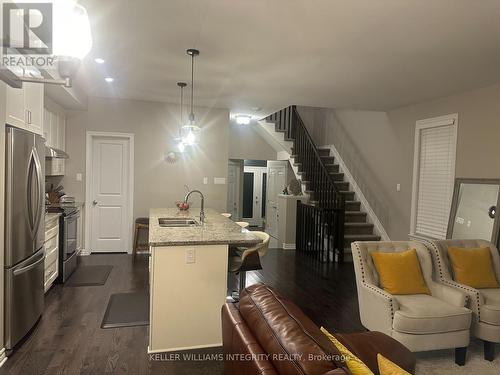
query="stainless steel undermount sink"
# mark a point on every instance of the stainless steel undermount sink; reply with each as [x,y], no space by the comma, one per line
[177,222]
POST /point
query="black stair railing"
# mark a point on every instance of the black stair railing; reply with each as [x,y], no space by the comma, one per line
[319,232]
[320,223]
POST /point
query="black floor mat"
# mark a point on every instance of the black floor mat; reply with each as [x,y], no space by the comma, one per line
[89,276]
[127,310]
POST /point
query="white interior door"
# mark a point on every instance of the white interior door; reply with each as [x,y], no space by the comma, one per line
[233,190]
[110,227]
[276,181]
[254,192]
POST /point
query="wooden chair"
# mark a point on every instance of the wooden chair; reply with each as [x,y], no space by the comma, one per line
[141,223]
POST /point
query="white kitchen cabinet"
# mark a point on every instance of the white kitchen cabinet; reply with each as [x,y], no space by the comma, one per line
[15,110]
[46,126]
[61,133]
[51,250]
[24,107]
[54,129]
[33,101]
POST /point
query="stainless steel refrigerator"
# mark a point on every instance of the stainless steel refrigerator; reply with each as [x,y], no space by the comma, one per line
[24,232]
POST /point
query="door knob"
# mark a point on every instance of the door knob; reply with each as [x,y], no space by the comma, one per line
[94,202]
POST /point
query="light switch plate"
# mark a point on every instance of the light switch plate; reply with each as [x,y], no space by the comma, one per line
[398,187]
[205,180]
[190,255]
[79,177]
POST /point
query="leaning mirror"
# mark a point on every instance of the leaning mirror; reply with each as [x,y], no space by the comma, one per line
[473,212]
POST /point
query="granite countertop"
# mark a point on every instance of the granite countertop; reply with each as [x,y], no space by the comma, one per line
[217,229]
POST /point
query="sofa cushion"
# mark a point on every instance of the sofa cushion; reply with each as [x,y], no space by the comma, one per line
[387,367]
[294,343]
[355,365]
[400,272]
[490,310]
[238,340]
[424,314]
[367,345]
[491,296]
[490,314]
[473,267]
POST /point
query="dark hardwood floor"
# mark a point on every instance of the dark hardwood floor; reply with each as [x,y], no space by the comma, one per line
[68,338]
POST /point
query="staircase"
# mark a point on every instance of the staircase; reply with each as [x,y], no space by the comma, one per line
[356,225]
[325,189]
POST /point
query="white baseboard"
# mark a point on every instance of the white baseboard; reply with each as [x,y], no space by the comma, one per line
[288,246]
[379,228]
[3,357]
[84,252]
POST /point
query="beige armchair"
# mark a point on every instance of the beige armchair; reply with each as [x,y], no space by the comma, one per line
[484,303]
[421,322]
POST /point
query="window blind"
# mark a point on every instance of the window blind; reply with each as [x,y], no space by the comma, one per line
[435,180]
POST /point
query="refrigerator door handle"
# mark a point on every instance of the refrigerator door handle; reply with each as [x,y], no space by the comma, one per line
[29,193]
[39,195]
[28,267]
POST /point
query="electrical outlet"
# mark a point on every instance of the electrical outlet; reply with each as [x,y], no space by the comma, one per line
[190,255]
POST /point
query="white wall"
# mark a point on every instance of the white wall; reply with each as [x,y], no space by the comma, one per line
[157,183]
[246,143]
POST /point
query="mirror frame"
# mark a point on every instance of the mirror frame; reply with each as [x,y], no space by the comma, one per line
[453,211]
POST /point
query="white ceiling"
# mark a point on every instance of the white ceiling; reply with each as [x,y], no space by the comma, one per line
[362,54]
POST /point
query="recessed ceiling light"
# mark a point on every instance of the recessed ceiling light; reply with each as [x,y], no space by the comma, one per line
[99,60]
[109,79]
[243,119]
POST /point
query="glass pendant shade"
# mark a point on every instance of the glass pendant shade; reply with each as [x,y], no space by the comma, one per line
[190,135]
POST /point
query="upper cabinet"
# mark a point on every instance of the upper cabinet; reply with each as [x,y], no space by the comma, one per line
[54,129]
[33,100]
[24,107]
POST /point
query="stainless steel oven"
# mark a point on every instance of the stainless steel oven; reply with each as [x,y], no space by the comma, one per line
[70,235]
[68,241]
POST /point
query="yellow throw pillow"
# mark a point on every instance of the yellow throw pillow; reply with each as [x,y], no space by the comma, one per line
[386,367]
[354,364]
[473,267]
[400,273]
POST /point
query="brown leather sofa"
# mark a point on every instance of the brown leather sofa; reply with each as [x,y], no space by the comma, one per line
[267,334]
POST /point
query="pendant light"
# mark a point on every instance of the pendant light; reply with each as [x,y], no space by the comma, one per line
[190,131]
[181,146]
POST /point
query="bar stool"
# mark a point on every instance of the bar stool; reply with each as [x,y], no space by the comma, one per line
[242,224]
[141,224]
[247,259]
[226,214]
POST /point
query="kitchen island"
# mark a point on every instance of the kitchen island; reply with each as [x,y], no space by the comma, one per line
[188,276]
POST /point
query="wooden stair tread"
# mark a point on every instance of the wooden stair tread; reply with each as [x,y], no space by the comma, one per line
[362,237]
[360,213]
[359,224]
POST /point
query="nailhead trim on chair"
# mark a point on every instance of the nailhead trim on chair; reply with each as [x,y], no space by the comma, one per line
[376,290]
